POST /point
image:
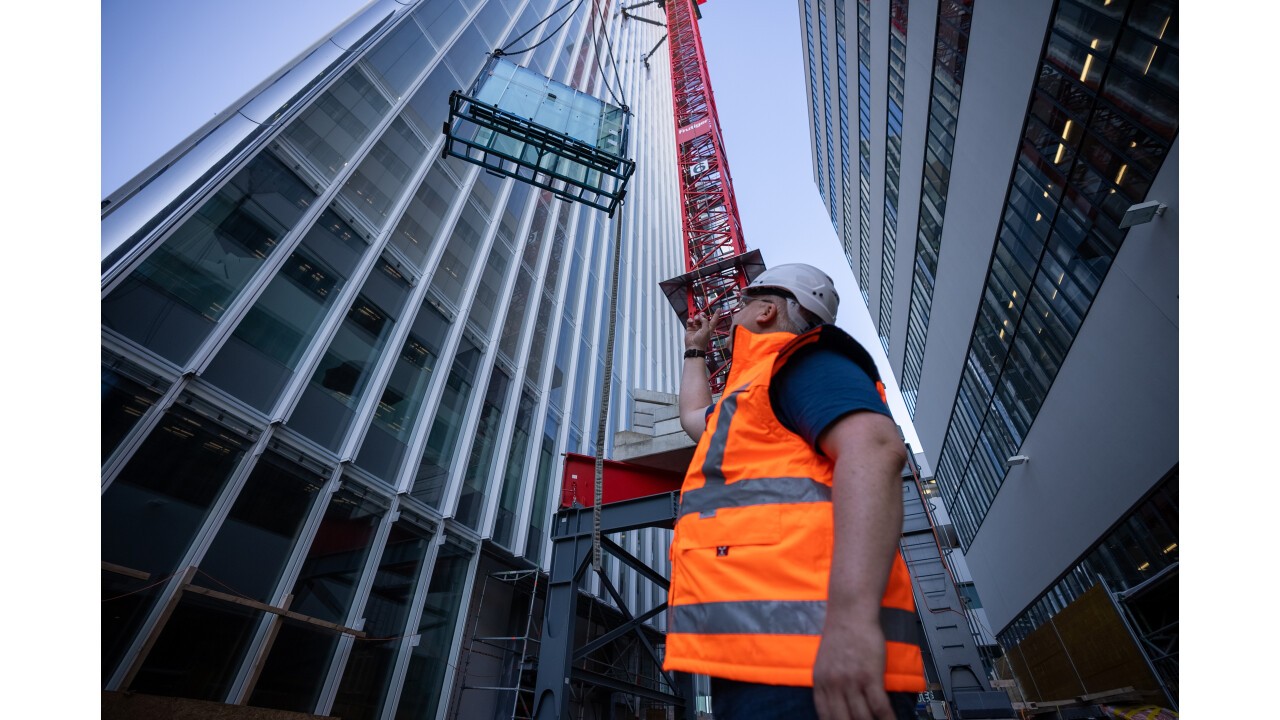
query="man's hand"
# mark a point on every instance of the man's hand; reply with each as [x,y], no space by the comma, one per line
[848,676]
[697,334]
[695,394]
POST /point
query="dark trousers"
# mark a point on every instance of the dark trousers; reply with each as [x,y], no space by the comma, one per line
[733,700]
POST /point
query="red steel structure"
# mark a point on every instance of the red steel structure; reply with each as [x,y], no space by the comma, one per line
[712,229]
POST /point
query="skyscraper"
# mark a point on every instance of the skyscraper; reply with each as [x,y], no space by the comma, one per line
[339,369]
[1003,180]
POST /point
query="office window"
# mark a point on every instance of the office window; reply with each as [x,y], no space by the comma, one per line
[376,185]
[423,685]
[260,357]
[419,227]
[220,630]
[433,471]
[547,465]
[513,476]
[295,669]
[478,472]
[367,675]
[154,508]
[329,131]
[340,380]
[264,522]
[128,392]
[459,256]
[172,300]
[397,412]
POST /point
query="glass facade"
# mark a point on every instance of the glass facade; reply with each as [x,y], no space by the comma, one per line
[864,149]
[344,364]
[951,47]
[1102,117]
[892,163]
[1142,544]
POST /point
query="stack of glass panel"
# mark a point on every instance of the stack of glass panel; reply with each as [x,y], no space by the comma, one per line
[517,123]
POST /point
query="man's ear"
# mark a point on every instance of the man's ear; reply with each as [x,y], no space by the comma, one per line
[768,314]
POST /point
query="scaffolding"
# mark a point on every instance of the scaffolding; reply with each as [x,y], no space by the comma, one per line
[516,655]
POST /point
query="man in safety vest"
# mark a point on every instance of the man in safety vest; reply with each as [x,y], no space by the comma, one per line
[787,587]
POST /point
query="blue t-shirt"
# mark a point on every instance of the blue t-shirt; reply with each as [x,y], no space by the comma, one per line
[815,389]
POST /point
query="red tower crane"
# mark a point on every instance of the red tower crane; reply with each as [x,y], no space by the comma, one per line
[717,265]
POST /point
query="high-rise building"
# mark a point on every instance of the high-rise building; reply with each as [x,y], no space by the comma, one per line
[1003,180]
[339,368]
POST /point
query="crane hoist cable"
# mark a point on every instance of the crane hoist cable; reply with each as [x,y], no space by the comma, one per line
[550,35]
[604,397]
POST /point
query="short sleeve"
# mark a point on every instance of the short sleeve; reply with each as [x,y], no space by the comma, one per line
[813,390]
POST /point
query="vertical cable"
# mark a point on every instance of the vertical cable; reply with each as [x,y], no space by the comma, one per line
[604,397]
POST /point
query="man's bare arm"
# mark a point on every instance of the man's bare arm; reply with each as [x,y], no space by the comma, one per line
[867,504]
[695,391]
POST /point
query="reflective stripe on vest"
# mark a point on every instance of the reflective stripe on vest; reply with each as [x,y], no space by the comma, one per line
[779,617]
[708,499]
[712,466]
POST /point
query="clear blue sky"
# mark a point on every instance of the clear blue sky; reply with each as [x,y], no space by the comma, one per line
[168,68]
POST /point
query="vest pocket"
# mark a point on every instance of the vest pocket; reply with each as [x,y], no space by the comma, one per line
[731,527]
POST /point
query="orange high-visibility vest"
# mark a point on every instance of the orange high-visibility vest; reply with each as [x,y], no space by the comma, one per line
[751,554]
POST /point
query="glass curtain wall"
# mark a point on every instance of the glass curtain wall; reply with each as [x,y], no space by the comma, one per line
[950,50]
[892,163]
[864,149]
[351,362]
[1102,117]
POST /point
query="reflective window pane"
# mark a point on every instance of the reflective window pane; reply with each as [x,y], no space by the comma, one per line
[423,685]
[294,672]
[342,377]
[377,184]
[328,132]
[428,484]
[327,583]
[199,651]
[397,412]
[263,524]
[538,519]
[512,485]
[172,301]
[260,357]
[365,679]
[128,392]
[152,511]
[478,472]
[416,233]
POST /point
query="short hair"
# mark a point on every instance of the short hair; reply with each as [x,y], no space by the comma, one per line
[792,316]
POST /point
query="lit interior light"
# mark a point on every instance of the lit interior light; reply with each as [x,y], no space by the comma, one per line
[1172,546]
[1002,334]
[1062,146]
[1061,275]
[1144,566]
[1152,56]
[1088,60]
[1010,305]
[1121,172]
[1038,216]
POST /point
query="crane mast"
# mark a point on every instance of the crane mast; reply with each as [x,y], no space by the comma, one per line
[711,226]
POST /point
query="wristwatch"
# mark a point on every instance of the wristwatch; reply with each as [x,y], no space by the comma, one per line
[694,353]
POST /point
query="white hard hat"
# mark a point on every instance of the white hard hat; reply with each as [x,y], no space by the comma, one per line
[811,287]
